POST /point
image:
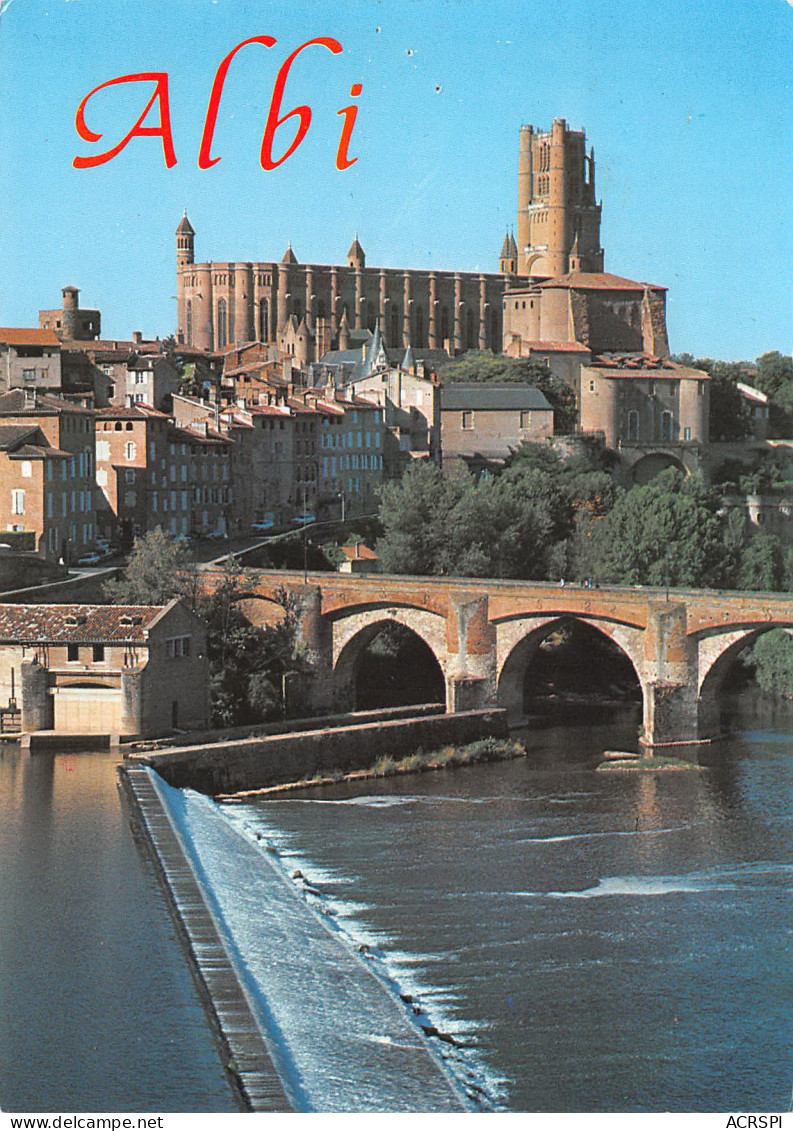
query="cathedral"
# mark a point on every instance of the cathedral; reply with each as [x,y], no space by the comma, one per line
[552,275]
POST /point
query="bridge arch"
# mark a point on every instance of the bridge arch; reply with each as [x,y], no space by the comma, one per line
[520,639]
[354,633]
[717,653]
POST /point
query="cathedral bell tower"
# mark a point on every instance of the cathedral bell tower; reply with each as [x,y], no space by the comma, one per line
[558,215]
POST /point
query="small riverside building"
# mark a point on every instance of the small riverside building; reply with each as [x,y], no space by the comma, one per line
[117,670]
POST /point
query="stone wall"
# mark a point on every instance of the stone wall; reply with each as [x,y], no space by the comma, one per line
[257,762]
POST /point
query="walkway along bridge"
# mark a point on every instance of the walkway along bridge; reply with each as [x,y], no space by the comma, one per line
[484,633]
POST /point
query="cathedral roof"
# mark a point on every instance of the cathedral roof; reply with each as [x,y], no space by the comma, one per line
[505,247]
[185,226]
[596,281]
[513,247]
[289,256]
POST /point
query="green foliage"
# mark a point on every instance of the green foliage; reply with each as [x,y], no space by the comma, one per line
[474,367]
[774,374]
[760,564]
[246,662]
[729,415]
[443,522]
[158,569]
[667,532]
[773,659]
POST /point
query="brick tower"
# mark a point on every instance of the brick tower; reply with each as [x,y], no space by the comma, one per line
[557,210]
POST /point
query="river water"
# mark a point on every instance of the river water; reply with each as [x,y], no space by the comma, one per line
[98,1011]
[597,941]
[593,941]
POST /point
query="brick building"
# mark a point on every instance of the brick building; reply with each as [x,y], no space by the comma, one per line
[121,670]
[224,303]
[50,489]
[153,473]
[652,411]
[486,422]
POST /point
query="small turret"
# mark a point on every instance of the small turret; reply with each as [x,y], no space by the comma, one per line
[185,242]
[289,255]
[508,260]
[344,331]
[355,256]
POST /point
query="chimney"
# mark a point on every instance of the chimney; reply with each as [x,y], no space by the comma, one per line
[137,337]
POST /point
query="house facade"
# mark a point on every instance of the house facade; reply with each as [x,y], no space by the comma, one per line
[104,669]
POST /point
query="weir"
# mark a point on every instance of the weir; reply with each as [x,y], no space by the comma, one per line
[306,1023]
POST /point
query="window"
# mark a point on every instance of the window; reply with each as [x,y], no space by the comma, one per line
[73,653]
[27,469]
[633,424]
[468,420]
[130,499]
[525,420]
[686,433]
[98,651]
[130,449]
[222,334]
[101,477]
[667,426]
[102,450]
[17,502]
[177,647]
[129,475]
[29,376]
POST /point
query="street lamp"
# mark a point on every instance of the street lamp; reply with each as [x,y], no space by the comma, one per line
[341,496]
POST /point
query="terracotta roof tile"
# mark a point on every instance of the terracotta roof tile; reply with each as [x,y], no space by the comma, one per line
[597,281]
[90,624]
[15,336]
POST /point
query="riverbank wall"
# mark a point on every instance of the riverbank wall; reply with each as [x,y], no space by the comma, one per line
[254,763]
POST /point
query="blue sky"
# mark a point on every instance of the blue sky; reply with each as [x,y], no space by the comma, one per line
[689,108]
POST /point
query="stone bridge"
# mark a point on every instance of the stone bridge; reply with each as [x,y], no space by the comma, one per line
[484,633]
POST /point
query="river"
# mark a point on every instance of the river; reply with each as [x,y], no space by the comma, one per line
[592,941]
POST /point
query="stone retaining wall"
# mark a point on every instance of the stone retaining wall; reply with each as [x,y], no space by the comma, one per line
[257,762]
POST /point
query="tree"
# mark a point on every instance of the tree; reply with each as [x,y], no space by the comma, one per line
[729,415]
[773,659]
[158,569]
[246,662]
[668,532]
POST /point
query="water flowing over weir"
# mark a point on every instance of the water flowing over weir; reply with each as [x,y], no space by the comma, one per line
[338,1037]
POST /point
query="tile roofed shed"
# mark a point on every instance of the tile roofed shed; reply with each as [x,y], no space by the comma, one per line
[487,397]
[71,624]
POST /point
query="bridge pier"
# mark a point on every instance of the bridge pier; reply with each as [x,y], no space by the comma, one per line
[669,680]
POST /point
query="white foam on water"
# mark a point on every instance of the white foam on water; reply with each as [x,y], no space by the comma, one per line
[589,836]
[299,984]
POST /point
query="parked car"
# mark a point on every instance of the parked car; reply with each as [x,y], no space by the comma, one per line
[260,527]
[89,560]
[304,518]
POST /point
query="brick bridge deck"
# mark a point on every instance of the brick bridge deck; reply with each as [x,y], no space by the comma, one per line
[483,633]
